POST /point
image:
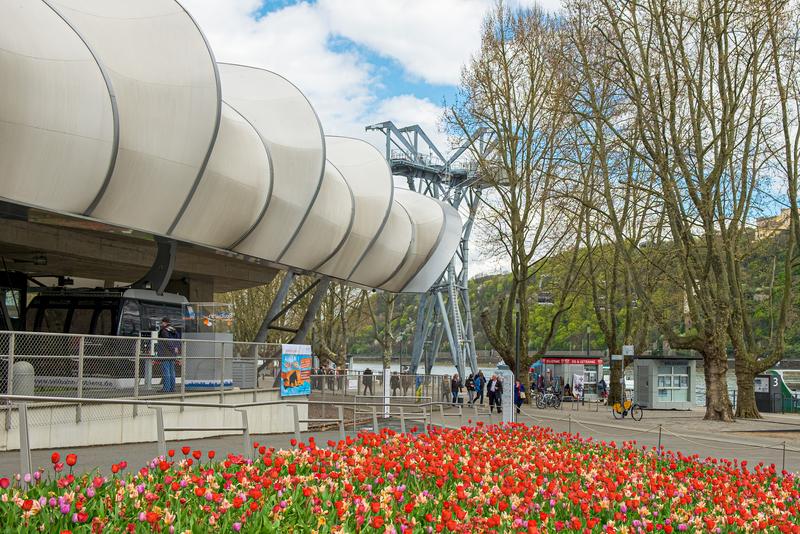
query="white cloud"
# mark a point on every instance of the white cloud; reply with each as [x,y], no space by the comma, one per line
[405,110]
[430,39]
[292,42]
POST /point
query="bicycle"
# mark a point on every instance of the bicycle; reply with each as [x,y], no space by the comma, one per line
[548,400]
[627,407]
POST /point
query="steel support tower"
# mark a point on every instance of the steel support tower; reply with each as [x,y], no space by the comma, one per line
[445,309]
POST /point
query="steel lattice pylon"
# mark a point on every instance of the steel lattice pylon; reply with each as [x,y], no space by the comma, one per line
[445,309]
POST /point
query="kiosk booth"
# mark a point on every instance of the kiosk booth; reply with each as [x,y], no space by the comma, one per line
[664,383]
[582,373]
[208,365]
[769,397]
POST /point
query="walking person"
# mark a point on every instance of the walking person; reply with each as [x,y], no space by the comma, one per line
[602,390]
[470,385]
[480,384]
[519,394]
[366,379]
[498,394]
[455,387]
[494,389]
[168,351]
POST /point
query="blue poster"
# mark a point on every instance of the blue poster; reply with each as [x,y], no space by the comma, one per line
[296,364]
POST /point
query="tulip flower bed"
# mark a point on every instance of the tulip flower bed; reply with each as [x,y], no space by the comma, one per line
[510,478]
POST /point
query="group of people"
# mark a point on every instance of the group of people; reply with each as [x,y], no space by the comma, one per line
[327,377]
[476,384]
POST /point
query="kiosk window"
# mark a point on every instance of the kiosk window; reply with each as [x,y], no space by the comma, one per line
[673,383]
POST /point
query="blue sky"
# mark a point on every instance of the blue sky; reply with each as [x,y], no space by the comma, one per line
[358,61]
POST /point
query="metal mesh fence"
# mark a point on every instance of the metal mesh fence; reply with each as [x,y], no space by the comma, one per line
[98,367]
[358,384]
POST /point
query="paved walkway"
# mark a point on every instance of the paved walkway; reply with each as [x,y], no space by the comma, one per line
[687,432]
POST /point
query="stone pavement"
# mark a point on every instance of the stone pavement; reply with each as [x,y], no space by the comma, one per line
[687,432]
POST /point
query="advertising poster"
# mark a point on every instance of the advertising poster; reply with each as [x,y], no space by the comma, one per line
[577,386]
[296,370]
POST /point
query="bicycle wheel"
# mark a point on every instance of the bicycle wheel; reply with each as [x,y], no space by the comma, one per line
[637,412]
[617,411]
[556,401]
[540,402]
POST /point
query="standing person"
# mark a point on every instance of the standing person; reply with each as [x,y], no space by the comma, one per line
[329,378]
[168,351]
[470,385]
[498,394]
[455,387]
[490,392]
[316,381]
[519,394]
[480,383]
[394,383]
[367,381]
[602,390]
[445,387]
[493,388]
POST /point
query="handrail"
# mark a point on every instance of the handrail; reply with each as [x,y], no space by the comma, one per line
[157,406]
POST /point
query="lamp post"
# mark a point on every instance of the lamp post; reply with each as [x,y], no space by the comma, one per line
[517,334]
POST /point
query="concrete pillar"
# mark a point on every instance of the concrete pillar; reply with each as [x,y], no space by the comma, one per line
[195,288]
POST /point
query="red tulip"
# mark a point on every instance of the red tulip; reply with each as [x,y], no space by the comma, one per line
[186,450]
[197,454]
[72,459]
[115,468]
[4,483]
[55,458]
[211,455]
[171,453]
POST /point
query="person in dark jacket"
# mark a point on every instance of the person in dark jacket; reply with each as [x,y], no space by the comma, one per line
[455,387]
[470,385]
[168,351]
[480,384]
[519,394]
[366,379]
[495,391]
[394,383]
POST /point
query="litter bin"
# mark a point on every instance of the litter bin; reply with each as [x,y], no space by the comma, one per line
[23,375]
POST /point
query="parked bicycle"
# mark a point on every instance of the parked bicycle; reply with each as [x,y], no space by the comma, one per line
[627,407]
[548,399]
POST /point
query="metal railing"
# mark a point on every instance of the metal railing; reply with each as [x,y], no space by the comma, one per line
[418,413]
[105,367]
[356,383]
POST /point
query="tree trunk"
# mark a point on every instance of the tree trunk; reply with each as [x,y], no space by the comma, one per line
[746,394]
[718,404]
[615,386]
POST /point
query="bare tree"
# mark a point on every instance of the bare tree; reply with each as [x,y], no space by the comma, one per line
[687,81]
[339,316]
[384,322]
[515,87]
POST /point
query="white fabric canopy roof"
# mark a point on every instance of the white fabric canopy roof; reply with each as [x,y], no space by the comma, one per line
[117,110]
